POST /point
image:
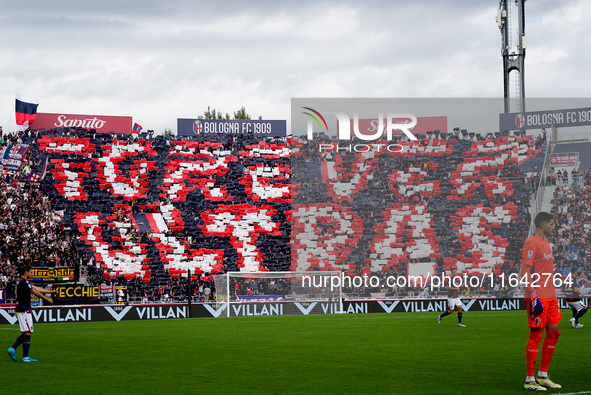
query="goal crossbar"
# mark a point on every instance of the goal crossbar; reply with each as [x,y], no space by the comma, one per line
[245,287]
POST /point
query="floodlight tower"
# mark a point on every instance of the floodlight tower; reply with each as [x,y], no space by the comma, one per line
[513,52]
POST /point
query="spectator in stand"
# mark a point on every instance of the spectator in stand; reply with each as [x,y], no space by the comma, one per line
[571,211]
[29,232]
[574,174]
[206,293]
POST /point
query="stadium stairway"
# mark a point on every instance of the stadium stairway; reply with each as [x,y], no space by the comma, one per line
[547,198]
[535,164]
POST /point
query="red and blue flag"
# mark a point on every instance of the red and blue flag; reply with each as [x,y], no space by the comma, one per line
[151,222]
[25,111]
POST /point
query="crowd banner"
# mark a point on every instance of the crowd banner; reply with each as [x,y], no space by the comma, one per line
[106,292]
[121,296]
[564,159]
[53,274]
[234,127]
[11,157]
[425,125]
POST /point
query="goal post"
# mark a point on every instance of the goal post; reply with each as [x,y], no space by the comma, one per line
[300,287]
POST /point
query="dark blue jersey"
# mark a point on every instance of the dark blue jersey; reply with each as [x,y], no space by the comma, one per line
[23,296]
[569,290]
[450,282]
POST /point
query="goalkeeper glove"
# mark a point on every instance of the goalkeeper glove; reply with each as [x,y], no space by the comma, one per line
[536,308]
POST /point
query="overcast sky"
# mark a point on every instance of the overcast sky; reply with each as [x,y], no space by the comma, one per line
[161,60]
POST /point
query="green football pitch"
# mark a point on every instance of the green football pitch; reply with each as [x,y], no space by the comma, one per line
[407,353]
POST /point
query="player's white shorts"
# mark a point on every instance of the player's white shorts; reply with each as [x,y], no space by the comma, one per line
[453,302]
[25,321]
[576,305]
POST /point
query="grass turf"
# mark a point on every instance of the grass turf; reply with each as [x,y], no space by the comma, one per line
[407,353]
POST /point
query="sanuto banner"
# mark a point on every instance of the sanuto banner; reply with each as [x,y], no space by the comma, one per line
[424,125]
[101,123]
[234,127]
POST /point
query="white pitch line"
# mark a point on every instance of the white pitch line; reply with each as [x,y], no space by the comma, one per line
[573,393]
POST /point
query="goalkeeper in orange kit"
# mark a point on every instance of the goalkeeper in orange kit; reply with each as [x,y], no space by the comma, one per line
[537,274]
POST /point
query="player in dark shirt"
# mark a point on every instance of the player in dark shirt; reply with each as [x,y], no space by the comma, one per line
[453,285]
[24,289]
[573,298]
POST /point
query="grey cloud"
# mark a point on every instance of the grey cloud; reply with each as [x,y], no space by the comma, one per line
[160,60]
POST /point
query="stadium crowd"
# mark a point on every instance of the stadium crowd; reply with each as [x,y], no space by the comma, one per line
[434,189]
[38,224]
[30,231]
[572,241]
[51,205]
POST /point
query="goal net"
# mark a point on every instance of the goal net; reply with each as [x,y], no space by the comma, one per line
[278,292]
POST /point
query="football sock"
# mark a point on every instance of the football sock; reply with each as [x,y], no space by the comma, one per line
[579,315]
[18,342]
[26,345]
[542,374]
[444,314]
[548,348]
[531,351]
[459,317]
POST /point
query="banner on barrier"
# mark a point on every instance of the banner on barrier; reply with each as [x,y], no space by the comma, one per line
[564,159]
[165,311]
[75,294]
[53,274]
[234,127]
[120,295]
[545,119]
